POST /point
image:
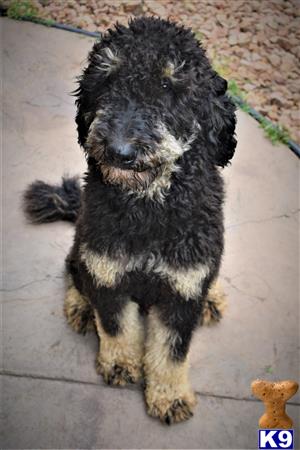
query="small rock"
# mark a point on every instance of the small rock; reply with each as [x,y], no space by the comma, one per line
[133,7]
[295,115]
[255,56]
[255,5]
[221,19]
[272,115]
[294,76]
[157,8]
[278,78]
[249,86]
[284,43]
[246,24]
[244,38]
[277,99]
[191,7]
[272,23]
[246,62]
[261,66]
[273,39]
[233,38]
[288,61]
[274,59]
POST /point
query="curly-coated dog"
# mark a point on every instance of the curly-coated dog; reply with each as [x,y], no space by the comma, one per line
[156,125]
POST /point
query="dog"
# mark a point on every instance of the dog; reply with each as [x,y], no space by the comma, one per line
[156,126]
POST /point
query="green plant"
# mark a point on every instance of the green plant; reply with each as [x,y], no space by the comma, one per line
[199,36]
[276,133]
[269,369]
[235,90]
[221,67]
[22,9]
[26,10]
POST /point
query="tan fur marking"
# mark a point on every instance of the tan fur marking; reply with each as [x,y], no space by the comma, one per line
[94,145]
[105,270]
[77,310]
[120,357]
[187,282]
[170,149]
[169,395]
[215,305]
[171,69]
[127,179]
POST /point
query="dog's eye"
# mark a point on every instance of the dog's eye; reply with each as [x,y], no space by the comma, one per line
[165,84]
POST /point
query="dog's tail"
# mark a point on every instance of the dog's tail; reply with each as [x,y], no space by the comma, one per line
[47,203]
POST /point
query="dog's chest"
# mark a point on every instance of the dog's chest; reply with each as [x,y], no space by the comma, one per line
[112,271]
[109,270]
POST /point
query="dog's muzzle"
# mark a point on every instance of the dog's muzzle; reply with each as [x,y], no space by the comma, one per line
[121,154]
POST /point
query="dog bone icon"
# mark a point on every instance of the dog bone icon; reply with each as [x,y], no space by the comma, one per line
[274,395]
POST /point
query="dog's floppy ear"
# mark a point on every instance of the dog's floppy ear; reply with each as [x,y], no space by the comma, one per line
[103,61]
[218,118]
[219,84]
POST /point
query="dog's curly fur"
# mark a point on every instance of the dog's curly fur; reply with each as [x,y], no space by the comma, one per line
[155,123]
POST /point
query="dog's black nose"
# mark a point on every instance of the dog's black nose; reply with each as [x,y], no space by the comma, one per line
[124,153]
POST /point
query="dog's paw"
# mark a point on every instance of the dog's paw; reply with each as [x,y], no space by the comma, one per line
[171,411]
[78,312]
[214,306]
[118,374]
[80,320]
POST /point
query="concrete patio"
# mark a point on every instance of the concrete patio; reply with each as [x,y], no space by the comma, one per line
[52,396]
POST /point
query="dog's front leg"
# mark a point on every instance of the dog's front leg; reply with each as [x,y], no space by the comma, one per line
[169,395]
[121,334]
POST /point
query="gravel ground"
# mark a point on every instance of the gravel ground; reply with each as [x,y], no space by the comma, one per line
[256,43]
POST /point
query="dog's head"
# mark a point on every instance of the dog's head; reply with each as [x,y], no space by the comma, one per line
[147,96]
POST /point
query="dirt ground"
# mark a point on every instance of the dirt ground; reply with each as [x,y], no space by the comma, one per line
[255,43]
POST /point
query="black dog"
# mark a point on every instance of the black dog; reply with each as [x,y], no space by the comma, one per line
[155,124]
